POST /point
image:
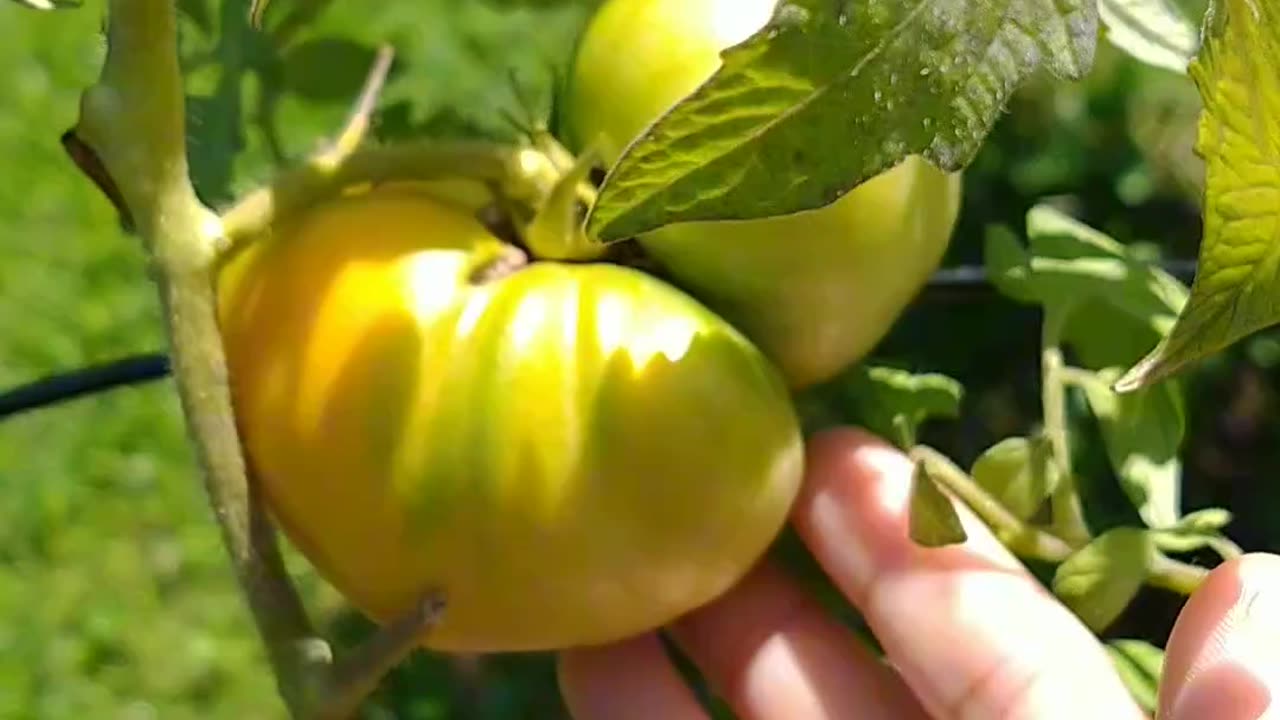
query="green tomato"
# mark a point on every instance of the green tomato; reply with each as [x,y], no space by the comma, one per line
[815,290]
[571,453]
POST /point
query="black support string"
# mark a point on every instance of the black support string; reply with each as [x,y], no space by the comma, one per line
[137,369]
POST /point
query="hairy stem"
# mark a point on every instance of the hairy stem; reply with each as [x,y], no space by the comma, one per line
[133,120]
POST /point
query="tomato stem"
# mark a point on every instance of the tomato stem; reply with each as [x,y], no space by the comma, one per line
[1029,541]
[130,138]
[1068,512]
[133,122]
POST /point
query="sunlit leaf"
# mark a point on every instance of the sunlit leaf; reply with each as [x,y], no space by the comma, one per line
[1237,288]
[831,94]
[894,402]
[1068,264]
[1153,31]
[1196,530]
[1143,433]
[1018,472]
[1099,580]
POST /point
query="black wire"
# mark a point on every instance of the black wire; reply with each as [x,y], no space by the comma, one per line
[83,381]
[137,369]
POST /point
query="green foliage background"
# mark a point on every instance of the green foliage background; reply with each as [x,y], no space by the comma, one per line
[115,597]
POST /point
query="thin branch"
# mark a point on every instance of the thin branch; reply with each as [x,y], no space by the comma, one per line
[357,675]
[1068,513]
[1028,541]
[1021,538]
[361,116]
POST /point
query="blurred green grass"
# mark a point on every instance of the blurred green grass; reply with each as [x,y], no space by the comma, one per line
[116,600]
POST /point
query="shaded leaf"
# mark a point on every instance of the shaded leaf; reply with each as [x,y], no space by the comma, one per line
[1100,579]
[893,402]
[831,94]
[1236,290]
[198,12]
[329,69]
[1018,472]
[1142,432]
[1140,665]
[1153,31]
[933,519]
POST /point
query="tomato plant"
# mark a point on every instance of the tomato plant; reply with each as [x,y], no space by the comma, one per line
[572,453]
[815,290]
[570,403]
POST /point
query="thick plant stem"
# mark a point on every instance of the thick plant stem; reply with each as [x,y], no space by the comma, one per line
[130,139]
[134,122]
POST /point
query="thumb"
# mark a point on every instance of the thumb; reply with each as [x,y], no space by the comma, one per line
[1223,658]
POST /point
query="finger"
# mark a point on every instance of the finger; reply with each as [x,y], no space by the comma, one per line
[771,652]
[973,633]
[1222,660]
[632,679]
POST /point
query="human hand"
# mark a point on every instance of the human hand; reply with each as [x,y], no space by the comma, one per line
[967,631]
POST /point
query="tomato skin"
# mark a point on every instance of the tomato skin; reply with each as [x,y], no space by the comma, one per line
[573,453]
[815,290]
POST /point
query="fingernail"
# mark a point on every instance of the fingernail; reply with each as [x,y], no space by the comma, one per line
[1242,669]
[1224,691]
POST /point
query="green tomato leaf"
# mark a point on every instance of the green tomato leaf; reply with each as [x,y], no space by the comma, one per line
[1116,303]
[1152,31]
[1139,664]
[1236,287]
[1008,265]
[327,69]
[893,402]
[830,94]
[1142,432]
[1070,263]
[1206,520]
[1179,541]
[1099,580]
[1197,530]
[1018,472]
[933,519]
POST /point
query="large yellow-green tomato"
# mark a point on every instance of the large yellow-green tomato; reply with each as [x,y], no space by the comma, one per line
[572,453]
[815,290]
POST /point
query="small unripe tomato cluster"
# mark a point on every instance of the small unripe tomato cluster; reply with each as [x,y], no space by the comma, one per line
[571,452]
